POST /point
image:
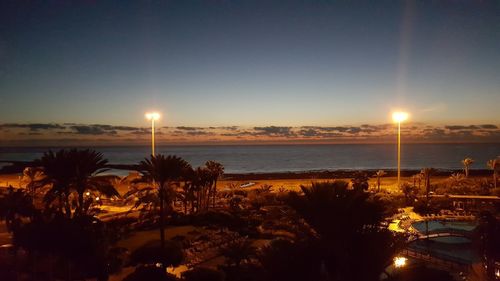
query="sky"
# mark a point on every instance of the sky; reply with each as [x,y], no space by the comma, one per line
[242,64]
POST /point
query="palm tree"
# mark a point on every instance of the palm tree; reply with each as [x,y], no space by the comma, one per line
[494,165]
[32,177]
[74,170]
[88,165]
[379,174]
[467,162]
[417,178]
[216,169]
[409,191]
[202,184]
[426,174]
[354,238]
[162,170]
[59,174]
[457,179]
[15,205]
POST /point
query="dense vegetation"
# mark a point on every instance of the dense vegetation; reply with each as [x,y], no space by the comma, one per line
[331,230]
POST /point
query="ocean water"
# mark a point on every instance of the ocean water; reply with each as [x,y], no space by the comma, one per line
[294,158]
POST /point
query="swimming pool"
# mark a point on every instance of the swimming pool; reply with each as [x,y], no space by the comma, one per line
[452,248]
[443,226]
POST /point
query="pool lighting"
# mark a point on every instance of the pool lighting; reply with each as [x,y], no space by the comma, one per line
[400,262]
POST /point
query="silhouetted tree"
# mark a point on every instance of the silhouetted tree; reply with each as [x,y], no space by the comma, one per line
[467,162]
[494,165]
[456,179]
[14,206]
[426,174]
[202,184]
[88,165]
[489,231]
[59,175]
[284,260]
[32,177]
[409,191]
[379,174]
[348,225]
[81,244]
[360,181]
[217,170]
[162,171]
[417,180]
[74,170]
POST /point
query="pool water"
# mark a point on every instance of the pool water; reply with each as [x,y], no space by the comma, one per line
[458,249]
[437,226]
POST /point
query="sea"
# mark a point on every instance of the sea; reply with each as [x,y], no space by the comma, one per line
[293,158]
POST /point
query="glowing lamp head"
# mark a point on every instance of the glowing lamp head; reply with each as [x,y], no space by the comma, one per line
[153,116]
[400,261]
[399,116]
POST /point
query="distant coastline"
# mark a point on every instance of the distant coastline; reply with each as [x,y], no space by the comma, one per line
[284,160]
[15,167]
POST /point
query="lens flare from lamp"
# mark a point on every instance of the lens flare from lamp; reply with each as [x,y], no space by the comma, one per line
[399,116]
[152,116]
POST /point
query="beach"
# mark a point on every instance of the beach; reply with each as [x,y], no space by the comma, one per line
[285,181]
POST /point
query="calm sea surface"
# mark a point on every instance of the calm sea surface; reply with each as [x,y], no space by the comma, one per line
[283,158]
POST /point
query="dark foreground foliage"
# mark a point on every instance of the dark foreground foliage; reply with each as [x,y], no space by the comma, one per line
[349,234]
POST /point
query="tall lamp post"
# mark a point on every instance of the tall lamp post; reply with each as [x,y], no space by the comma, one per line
[153,116]
[399,117]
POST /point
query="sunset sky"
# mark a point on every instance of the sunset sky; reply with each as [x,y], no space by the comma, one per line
[249,70]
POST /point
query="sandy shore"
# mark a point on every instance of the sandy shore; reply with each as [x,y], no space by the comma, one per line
[286,181]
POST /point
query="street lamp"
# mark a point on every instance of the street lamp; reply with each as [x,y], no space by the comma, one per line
[153,116]
[399,117]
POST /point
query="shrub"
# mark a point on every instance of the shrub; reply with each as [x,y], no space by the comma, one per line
[203,274]
[151,253]
[149,273]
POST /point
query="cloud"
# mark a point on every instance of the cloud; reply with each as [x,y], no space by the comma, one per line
[488,126]
[101,129]
[200,133]
[317,133]
[228,128]
[274,131]
[33,126]
[93,130]
[414,132]
[460,127]
[188,128]
[142,131]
